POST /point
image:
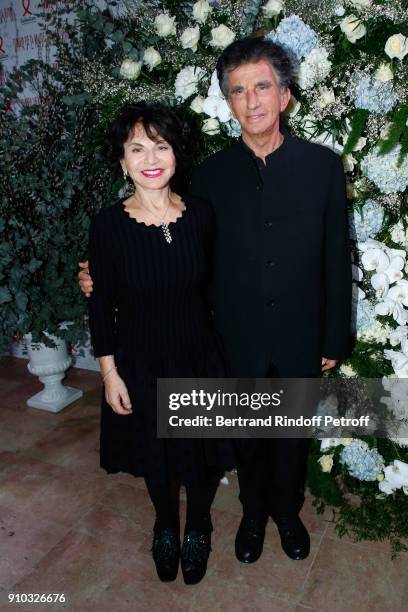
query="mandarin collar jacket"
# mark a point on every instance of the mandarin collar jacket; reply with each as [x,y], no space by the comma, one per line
[281,282]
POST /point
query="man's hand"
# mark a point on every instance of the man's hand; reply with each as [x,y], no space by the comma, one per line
[116,394]
[328,364]
[85,281]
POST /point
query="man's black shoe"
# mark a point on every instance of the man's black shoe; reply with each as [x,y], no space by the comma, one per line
[194,555]
[166,553]
[294,537]
[249,540]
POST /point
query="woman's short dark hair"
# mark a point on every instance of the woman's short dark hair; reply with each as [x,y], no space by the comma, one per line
[253,50]
[158,119]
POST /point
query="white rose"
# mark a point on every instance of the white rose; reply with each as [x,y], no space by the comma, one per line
[396,46]
[398,234]
[383,73]
[197,104]
[130,69]
[272,8]
[190,38]
[221,37]
[201,10]
[361,3]
[187,81]
[326,462]
[151,58]
[353,28]
[211,127]
[165,25]
[217,107]
[325,98]
[293,107]
[347,370]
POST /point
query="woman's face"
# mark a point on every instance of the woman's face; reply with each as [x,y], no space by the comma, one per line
[149,163]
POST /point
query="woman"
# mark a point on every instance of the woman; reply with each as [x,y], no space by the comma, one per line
[148,258]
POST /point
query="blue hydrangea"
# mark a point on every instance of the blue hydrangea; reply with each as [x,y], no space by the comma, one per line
[294,36]
[233,128]
[366,223]
[374,95]
[362,315]
[362,462]
[383,170]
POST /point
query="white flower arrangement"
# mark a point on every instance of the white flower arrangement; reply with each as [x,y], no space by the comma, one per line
[396,46]
[187,82]
[353,28]
[222,36]
[190,37]
[165,25]
[215,105]
[130,69]
[211,127]
[151,58]
[314,68]
[201,11]
[273,8]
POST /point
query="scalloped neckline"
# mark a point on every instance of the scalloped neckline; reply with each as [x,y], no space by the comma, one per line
[152,224]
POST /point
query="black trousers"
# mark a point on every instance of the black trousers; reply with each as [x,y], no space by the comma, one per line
[200,496]
[272,474]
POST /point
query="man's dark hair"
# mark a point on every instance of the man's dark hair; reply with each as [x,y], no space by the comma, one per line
[159,121]
[253,50]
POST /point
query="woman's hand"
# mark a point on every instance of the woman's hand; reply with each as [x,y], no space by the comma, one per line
[116,394]
[85,280]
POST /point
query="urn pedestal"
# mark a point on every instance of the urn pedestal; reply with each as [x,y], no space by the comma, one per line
[50,364]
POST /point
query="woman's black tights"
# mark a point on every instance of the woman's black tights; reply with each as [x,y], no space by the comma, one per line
[165,499]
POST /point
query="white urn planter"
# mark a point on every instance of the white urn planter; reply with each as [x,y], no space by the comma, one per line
[50,364]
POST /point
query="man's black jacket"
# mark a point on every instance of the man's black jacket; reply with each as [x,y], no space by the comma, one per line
[281,287]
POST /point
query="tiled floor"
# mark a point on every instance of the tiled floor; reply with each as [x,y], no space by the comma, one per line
[67,527]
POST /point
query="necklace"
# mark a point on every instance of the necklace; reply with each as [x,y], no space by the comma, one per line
[163,224]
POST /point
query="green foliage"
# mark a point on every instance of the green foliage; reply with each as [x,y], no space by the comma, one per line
[368,360]
[358,123]
[398,131]
[53,182]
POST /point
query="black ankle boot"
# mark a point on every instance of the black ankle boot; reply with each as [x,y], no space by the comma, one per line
[194,555]
[166,553]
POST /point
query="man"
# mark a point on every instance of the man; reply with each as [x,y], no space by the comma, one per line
[281,289]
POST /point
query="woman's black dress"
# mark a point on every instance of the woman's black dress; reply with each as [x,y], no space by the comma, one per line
[149,309]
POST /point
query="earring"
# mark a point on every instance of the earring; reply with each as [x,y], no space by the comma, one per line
[125,173]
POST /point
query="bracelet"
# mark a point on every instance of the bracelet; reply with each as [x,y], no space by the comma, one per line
[108,372]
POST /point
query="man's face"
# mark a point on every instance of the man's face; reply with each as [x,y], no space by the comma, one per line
[255,98]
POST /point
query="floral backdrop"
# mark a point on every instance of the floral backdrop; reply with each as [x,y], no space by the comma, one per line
[350,95]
